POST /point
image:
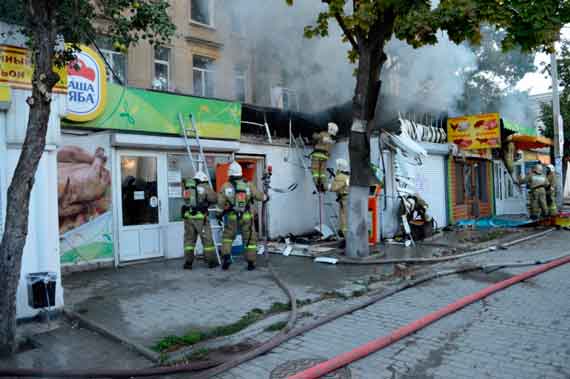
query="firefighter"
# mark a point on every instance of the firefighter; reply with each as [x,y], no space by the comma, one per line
[551,190]
[198,197]
[340,186]
[323,143]
[536,183]
[235,200]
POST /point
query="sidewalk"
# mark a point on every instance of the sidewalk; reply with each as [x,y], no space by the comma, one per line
[148,302]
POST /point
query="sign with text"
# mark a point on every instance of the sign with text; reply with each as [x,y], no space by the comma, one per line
[16,69]
[87,83]
[475,132]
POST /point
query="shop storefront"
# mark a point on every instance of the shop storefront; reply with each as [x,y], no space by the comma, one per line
[470,167]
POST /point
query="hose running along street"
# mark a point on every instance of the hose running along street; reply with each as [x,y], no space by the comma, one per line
[362,351]
[275,341]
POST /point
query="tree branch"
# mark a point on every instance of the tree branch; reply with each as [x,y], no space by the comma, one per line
[345,30]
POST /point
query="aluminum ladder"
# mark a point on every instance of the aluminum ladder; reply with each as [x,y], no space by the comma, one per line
[199,164]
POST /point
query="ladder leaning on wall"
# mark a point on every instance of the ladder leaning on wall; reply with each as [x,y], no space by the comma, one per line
[199,164]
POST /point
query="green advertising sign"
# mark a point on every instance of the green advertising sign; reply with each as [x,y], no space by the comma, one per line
[137,110]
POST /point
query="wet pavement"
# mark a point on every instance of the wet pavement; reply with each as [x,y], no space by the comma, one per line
[70,347]
[147,302]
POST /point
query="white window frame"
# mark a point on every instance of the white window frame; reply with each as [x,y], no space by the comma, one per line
[164,63]
[240,74]
[289,92]
[108,55]
[212,8]
[202,72]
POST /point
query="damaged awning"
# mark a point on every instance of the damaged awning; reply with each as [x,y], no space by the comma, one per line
[526,142]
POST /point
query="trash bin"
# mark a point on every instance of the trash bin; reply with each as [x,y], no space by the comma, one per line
[41,289]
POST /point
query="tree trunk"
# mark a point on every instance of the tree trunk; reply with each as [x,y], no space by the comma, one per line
[371,58]
[41,15]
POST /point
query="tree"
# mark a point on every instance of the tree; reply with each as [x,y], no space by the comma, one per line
[489,84]
[369,24]
[44,23]
[546,108]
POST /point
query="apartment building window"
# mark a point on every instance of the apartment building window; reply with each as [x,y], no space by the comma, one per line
[161,68]
[115,59]
[203,75]
[202,12]
[240,83]
[236,23]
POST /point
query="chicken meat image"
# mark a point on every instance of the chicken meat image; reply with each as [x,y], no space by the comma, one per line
[83,186]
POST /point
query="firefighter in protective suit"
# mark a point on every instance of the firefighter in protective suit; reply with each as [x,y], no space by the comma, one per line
[551,190]
[234,201]
[536,183]
[198,197]
[323,143]
[340,186]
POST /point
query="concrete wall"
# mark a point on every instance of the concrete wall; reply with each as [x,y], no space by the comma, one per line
[41,252]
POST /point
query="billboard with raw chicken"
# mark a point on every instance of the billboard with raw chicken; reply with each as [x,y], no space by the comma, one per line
[84,194]
[475,132]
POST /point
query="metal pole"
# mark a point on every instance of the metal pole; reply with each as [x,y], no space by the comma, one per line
[558,131]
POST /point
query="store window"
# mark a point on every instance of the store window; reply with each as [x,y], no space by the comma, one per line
[161,68]
[240,83]
[115,61]
[180,168]
[202,12]
[203,76]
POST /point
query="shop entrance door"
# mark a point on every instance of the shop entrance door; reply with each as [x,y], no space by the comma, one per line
[140,205]
[472,189]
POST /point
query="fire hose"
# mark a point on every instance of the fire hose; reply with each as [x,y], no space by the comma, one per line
[377,344]
[286,334]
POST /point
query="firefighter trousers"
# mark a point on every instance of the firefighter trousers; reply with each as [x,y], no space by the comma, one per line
[194,226]
[538,206]
[318,170]
[342,215]
[551,202]
[245,224]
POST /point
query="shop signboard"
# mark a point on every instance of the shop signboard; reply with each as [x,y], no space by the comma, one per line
[16,69]
[87,86]
[475,132]
[137,110]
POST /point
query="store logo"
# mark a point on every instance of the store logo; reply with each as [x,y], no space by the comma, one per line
[87,86]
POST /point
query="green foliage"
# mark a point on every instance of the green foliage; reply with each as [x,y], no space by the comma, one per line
[80,21]
[275,327]
[546,109]
[482,93]
[525,24]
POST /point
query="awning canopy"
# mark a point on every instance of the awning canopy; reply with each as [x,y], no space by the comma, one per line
[519,129]
[525,142]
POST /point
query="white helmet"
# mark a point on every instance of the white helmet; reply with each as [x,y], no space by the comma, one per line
[550,167]
[342,165]
[235,170]
[201,177]
[538,169]
[333,128]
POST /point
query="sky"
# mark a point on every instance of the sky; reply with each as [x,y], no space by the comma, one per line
[537,82]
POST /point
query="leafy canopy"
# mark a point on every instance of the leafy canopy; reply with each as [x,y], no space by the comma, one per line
[81,21]
[526,24]
[546,108]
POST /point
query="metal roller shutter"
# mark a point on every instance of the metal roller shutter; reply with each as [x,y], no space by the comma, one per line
[430,184]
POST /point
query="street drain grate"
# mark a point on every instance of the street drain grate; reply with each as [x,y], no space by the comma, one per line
[289,368]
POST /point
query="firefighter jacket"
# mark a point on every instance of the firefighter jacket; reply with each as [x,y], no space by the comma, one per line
[535,181]
[238,197]
[197,197]
[340,185]
[323,142]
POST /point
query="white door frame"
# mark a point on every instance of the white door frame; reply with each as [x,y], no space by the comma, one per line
[163,203]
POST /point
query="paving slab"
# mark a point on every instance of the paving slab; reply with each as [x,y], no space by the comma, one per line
[147,302]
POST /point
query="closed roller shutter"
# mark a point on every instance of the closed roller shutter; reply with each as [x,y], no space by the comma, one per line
[430,184]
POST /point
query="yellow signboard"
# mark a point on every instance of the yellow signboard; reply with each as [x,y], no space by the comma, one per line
[16,69]
[475,132]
